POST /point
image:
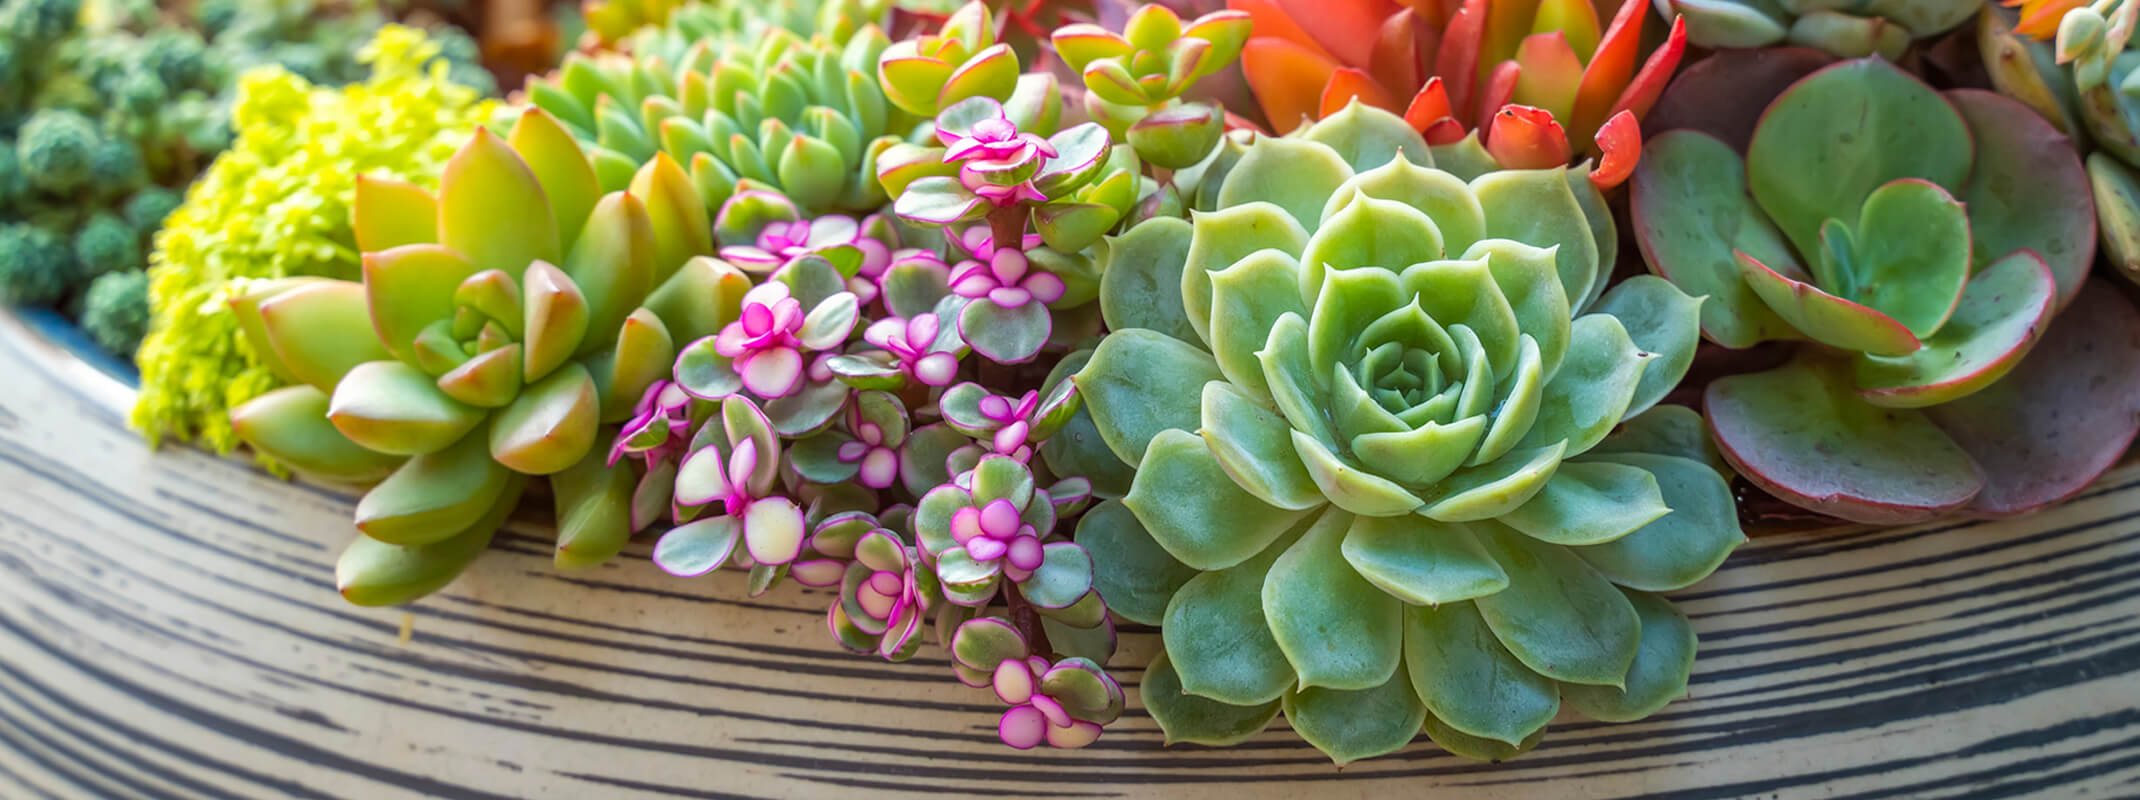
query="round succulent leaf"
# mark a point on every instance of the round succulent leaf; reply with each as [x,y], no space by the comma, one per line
[1073,226]
[1469,681]
[1368,232]
[2050,427]
[1002,478]
[962,573]
[1667,430]
[1832,138]
[1140,278]
[1690,212]
[807,411]
[932,516]
[1349,725]
[1218,639]
[1005,335]
[433,496]
[1421,561]
[1538,208]
[1084,690]
[393,408]
[1802,433]
[290,425]
[1367,137]
[1087,612]
[1177,137]
[1062,579]
[550,425]
[1223,238]
[1246,300]
[1130,570]
[2001,313]
[1349,487]
[827,325]
[983,643]
[321,331]
[1823,317]
[1659,674]
[1195,511]
[938,200]
[1078,449]
[1526,278]
[1444,198]
[699,547]
[1558,616]
[867,371]
[409,287]
[1465,293]
[1059,401]
[1140,383]
[1185,717]
[1296,175]
[1594,388]
[817,460]
[1480,748]
[2027,190]
[373,573]
[705,373]
[961,408]
[1910,256]
[1679,548]
[1337,629]
[1587,503]
[492,208]
[921,461]
[1661,320]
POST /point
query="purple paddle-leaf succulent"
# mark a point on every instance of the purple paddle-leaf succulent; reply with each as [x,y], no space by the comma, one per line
[1924,241]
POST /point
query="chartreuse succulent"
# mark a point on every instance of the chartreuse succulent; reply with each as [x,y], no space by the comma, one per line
[502,325]
[1920,244]
[777,114]
[630,23]
[1370,408]
[1849,30]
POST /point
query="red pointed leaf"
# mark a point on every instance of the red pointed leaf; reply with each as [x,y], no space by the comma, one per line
[1287,79]
[1620,142]
[1348,83]
[1642,92]
[1459,55]
[1347,30]
[1609,70]
[1499,88]
[1524,137]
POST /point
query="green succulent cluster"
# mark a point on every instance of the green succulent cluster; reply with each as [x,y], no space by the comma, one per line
[1848,29]
[778,112]
[1371,408]
[305,144]
[108,109]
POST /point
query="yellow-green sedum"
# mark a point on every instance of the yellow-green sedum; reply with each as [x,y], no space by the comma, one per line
[277,205]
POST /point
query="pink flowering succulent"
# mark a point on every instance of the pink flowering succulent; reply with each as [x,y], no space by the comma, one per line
[763,350]
[1007,279]
[921,350]
[886,594]
[1005,425]
[1061,703]
[733,467]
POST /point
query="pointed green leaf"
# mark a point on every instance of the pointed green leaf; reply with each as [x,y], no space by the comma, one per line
[391,407]
[387,213]
[1594,388]
[1184,717]
[1351,725]
[1469,681]
[1558,616]
[1140,278]
[1246,300]
[1590,503]
[1254,446]
[1659,674]
[1368,137]
[1493,489]
[1190,506]
[1368,232]
[409,287]
[1662,320]
[567,180]
[1337,629]
[1680,548]
[492,209]
[1422,561]
[1298,176]
[1217,638]
[1141,382]
[1222,238]
[320,331]
[373,573]
[550,425]
[290,425]
[612,265]
[594,510]
[1132,572]
[433,496]
[1537,208]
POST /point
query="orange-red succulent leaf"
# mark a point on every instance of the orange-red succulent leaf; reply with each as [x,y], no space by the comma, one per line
[1403,48]
[1524,137]
[1447,130]
[1500,86]
[1270,21]
[1620,144]
[1551,72]
[1642,92]
[1287,79]
[1348,83]
[2039,18]
[1459,55]
[1610,68]
[1346,29]
[1429,106]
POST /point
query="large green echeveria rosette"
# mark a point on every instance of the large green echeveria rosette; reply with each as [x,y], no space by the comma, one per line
[1372,482]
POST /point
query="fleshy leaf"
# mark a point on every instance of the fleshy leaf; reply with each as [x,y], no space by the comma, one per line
[433,496]
[290,425]
[1006,335]
[1663,321]
[1190,506]
[321,331]
[1222,238]
[1218,639]
[1590,503]
[1469,681]
[1558,616]
[373,573]
[1422,561]
[1255,448]
[1131,571]
[1690,211]
[550,425]
[2027,190]
[1595,386]
[1658,675]
[1246,300]
[2001,313]
[1834,321]
[1338,630]
[1677,549]
[1141,382]
[1184,717]
[1538,208]
[492,209]
[1140,280]
[1351,725]
[391,407]
[1911,255]
[1298,176]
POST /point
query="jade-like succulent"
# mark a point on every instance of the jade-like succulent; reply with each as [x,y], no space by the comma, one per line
[797,117]
[1921,243]
[1369,405]
[501,325]
[926,74]
[1848,30]
[1134,80]
[1539,82]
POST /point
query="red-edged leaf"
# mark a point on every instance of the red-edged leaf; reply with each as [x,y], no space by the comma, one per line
[1459,55]
[1620,144]
[1403,48]
[1428,107]
[1642,92]
[1723,95]
[1499,88]
[1524,137]
[1287,79]
[1348,83]
[1609,70]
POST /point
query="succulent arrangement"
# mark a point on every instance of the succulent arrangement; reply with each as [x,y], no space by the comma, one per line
[108,109]
[1003,324]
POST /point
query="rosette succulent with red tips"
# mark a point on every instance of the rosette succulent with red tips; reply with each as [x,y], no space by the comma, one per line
[1369,405]
[501,325]
[1538,82]
[1920,243]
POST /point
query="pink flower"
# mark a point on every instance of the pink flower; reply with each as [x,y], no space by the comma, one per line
[995,533]
[994,138]
[763,341]
[879,460]
[1034,717]
[1016,417]
[783,242]
[980,242]
[914,342]
[1007,280]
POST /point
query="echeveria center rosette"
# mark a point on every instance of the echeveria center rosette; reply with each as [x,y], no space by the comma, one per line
[1367,416]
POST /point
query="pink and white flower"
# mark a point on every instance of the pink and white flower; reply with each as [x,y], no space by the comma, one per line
[1007,280]
[1034,717]
[995,534]
[772,526]
[915,343]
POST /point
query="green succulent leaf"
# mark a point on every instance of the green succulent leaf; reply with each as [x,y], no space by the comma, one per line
[1140,383]
[320,331]
[1590,503]
[1469,681]
[1661,320]
[1368,137]
[1254,446]
[1141,282]
[1834,321]
[1351,725]
[1132,572]
[1063,578]
[1185,717]
[1225,238]
[2026,190]
[1296,175]
[1476,747]
[1558,616]
[290,425]
[433,496]
[1681,547]
[594,510]
[409,287]
[1490,490]
[1337,630]
[1218,639]
[373,573]
[1422,561]
[492,208]
[551,425]
[1658,675]
[1538,208]
[1911,255]
[391,407]
[1193,509]
[2001,314]
[1594,388]
[1690,211]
